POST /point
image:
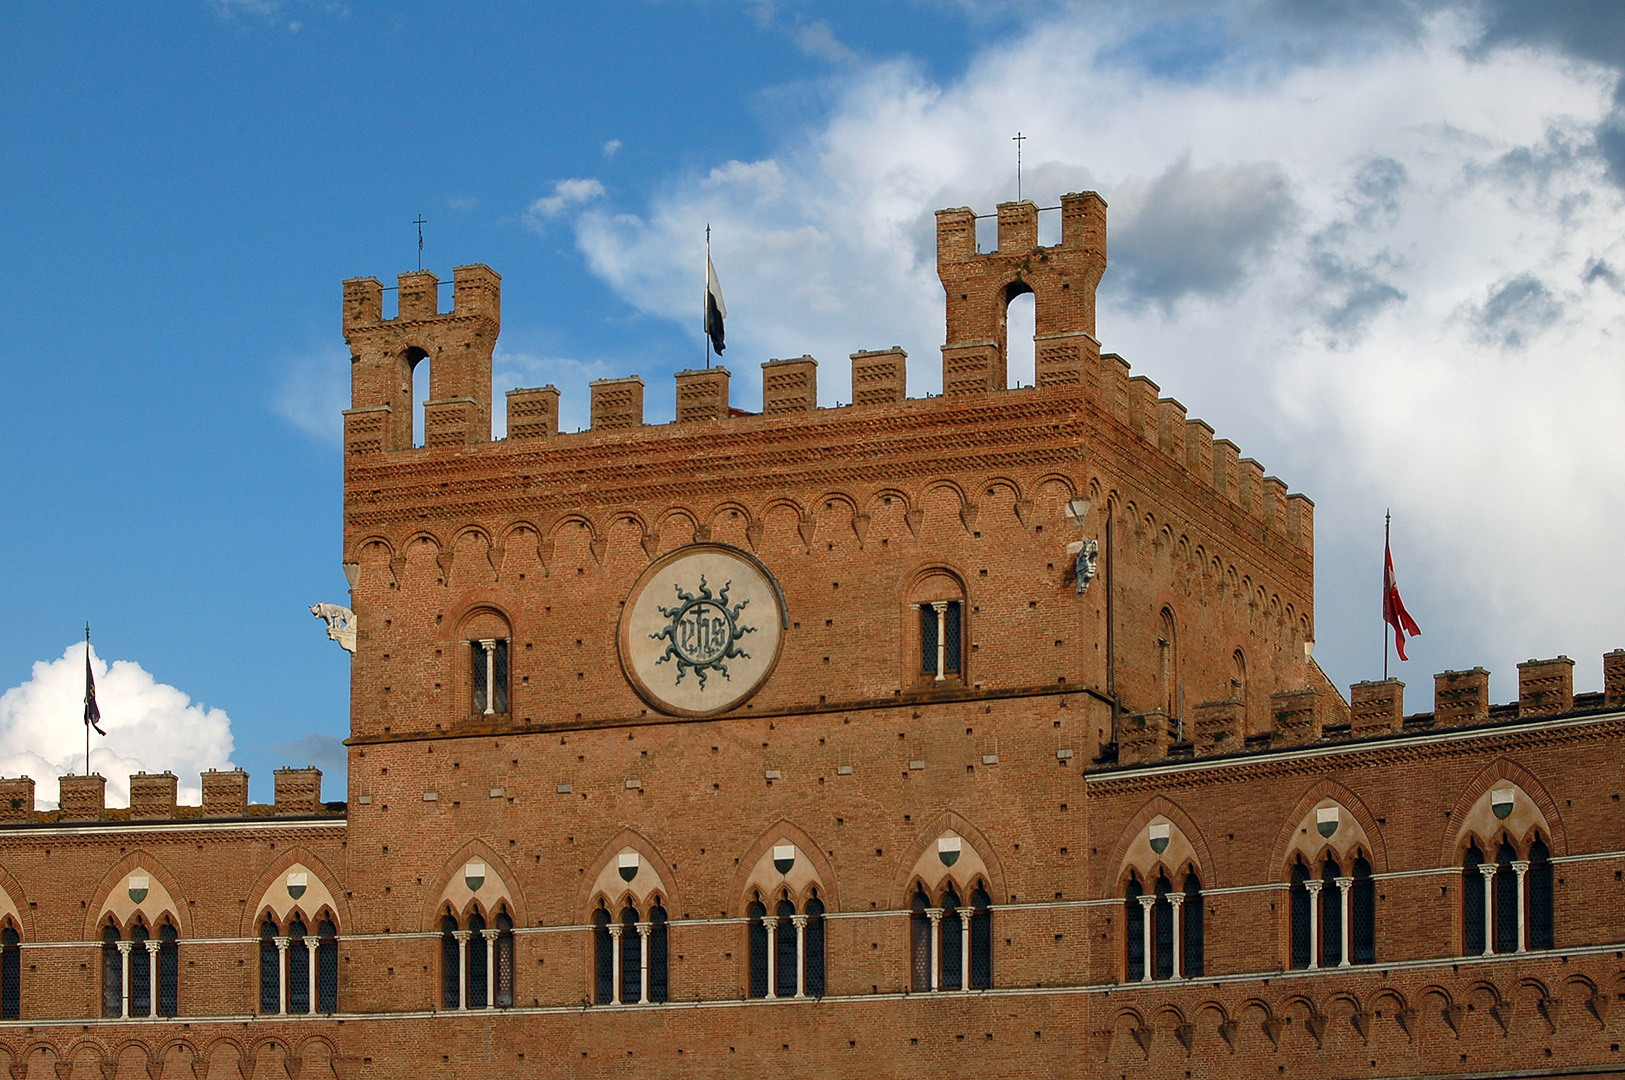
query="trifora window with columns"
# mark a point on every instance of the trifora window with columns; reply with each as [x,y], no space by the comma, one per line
[630,955]
[476,965]
[786,947]
[1163,929]
[140,970]
[299,965]
[945,934]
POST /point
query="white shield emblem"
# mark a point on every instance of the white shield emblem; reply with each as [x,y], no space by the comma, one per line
[474,875]
[138,887]
[1502,801]
[1327,819]
[297,883]
[784,857]
[1158,835]
[948,850]
[627,863]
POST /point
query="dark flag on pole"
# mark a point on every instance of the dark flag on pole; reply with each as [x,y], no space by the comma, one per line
[93,712]
[1393,608]
[715,309]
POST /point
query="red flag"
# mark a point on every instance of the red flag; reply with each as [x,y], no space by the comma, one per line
[1393,608]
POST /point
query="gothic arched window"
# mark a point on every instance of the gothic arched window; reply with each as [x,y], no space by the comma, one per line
[659,954]
[11,974]
[327,967]
[1134,932]
[631,957]
[1331,915]
[1472,902]
[757,934]
[981,940]
[1540,896]
[478,968]
[1363,914]
[814,937]
[1302,917]
[169,970]
[270,969]
[298,968]
[952,931]
[1506,900]
[1192,942]
[140,972]
[112,972]
[1162,931]
[503,959]
[785,952]
[451,964]
[603,952]
[919,932]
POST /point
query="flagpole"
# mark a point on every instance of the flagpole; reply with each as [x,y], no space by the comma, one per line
[87,715]
[1387,518]
[706,322]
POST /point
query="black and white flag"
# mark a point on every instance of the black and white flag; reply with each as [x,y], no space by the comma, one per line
[715,309]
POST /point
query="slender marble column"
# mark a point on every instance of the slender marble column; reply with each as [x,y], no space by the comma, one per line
[1345,902]
[490,967]
[772,924]
[462,937]
[935,914]
[1314,888]
[282,976]
[1521,867]
[800,922]
[615,936]
[1488,870]
[124,959]
[1146,903]
[643,957]
[1177,900]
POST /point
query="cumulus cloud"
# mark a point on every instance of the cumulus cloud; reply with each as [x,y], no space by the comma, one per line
[566,193]
[818,40]
[1382,260]
[150,727]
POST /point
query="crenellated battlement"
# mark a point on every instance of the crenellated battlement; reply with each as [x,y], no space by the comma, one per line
[153,798]
[1376,709]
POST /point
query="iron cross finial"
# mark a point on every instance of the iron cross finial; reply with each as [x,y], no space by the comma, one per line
[1018,139]
[420,221]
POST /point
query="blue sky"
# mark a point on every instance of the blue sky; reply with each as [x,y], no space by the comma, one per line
[1377,246]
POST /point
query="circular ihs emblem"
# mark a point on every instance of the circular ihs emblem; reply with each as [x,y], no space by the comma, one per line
[701,630]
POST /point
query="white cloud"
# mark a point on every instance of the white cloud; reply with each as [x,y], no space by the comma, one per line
[314,392]
[611,147]
[462,203]
[1377,270]
[818,40]
[150,727]
[566,193]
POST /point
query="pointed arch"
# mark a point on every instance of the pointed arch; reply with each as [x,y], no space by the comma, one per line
[654,877]
[1321,791]
[1113,869]
[963,871]
[164,896]
[818,871]
[450,886]
[329,891]
[1502,772]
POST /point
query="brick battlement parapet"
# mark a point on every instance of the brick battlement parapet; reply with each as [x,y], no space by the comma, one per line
[153,798]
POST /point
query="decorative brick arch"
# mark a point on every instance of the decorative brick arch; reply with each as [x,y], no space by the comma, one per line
[763,844]
[948,821]
[1275,869]
[453,865]
[137,860]
[14,896]
[626,838]
[249,920]
[1450,845]
[1158,806]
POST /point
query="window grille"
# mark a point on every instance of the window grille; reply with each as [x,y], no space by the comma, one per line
[1134,933]
[1506,901]
[298,968]
[476,681]
[1472,903]
[815,947]
[451,964]
[784,959]
[476,961]
[758,949]
[603,959]
[140,972]
[659,954]
[1301,914]
[952,931]
[951,637]
[919,927]
[981,941]
[499,692]
[1331,916]
[11,974]
[504,958]
[631,957]
[1193,945]
[270,975]
[169,971]
[112,973]
[928,639]
[1540,896]
[327,968]
[1363,915]
[1162,932]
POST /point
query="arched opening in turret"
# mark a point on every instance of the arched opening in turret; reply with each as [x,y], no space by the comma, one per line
[1020,324]
[417,363]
